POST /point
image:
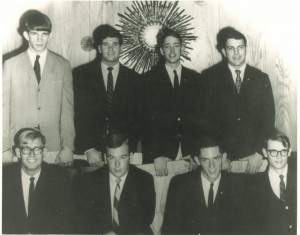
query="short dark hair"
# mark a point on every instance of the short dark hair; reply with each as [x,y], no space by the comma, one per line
[36,20]
[115,140]
[276,135]
[25,134]
[207,142]
[166,32]
[227,33]
[105,31]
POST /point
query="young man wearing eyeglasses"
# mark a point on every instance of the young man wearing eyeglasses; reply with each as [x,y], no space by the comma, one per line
[273,193]
[36,196]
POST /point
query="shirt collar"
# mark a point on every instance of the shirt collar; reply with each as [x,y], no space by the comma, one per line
[206,182]
[242,69]
[27,177]
[113,179]
[32,55]
[116,67]
[273,173]
[178,69]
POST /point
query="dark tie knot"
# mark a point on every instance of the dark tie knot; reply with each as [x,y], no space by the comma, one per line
[211,185]
[281,177]
[174,71]
[118,181]
[110,69]
[37,57]
[238,72]
[32,179]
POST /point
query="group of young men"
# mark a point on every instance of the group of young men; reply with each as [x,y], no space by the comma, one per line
[168,114]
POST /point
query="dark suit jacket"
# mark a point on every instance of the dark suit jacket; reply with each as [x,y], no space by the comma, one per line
[136,206]
[241,120]
[52,204]
[268,215]
[186,211]
[170,117]
[91,109]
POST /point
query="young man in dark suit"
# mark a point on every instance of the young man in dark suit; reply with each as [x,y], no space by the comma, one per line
[206,200]
[273,193]
[36,196]
[106,97]
[36,83]
[118,198]
[171,106]
[240,101]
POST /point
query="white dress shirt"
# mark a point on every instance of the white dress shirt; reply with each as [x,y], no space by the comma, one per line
[25,186]
[172,75]
[233,73]
[275,180]
[113,185]
[42,59]
[115,73]
[206,187]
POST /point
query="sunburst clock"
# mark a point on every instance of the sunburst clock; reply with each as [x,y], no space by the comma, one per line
[140,25]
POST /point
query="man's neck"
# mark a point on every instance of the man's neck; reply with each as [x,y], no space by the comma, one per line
[173,65]
[110,64]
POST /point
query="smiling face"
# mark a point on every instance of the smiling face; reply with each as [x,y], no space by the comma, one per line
[211,162]
[30,162]
[235,52]
[118,160]
[278,162]
[110,49]
[171,50]
[37,40]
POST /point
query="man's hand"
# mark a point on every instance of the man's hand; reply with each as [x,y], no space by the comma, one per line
[225,163]
[160,166]
[94,158]
[64,157]
[193,164]
[254,163]
[7,157]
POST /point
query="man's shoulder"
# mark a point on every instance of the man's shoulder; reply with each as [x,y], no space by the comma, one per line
[189,177]
[55,171]
[256,72]
[17,58]
[10,171]
[59,58]
[140,174]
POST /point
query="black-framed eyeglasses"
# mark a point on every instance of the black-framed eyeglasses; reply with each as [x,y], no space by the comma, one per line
[28,151]
[274,153]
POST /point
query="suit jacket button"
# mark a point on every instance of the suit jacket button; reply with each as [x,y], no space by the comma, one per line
[290,226]
[286,207]
[179,119]
[39,108]
[238,119]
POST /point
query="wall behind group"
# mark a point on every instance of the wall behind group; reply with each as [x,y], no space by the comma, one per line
[272,40]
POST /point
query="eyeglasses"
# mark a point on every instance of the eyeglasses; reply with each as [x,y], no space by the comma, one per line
[274,153]
[36,150]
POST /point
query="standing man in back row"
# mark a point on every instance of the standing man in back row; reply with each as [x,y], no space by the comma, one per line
[38,93]
[171,106]
[106,94]
[241,104]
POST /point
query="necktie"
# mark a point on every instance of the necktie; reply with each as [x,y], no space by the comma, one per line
[110,86]
[282,189]
[37,69]
[176,80]
[238,81]
[116,204]
[211,196]
[30,198]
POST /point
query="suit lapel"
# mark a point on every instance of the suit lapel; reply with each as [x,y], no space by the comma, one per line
[28,67]
[48,70]
[246,79]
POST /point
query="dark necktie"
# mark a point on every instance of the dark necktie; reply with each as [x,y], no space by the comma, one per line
[282,189]
[30,197]
[211,196]
[37,69]
[238,81]
[116,204]
[176,80]
[110,88]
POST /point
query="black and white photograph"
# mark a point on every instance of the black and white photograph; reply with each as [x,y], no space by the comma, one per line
[149,117]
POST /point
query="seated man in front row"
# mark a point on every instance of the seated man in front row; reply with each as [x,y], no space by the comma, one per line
[206,200]
[36,196]
[118,198]
[273,193]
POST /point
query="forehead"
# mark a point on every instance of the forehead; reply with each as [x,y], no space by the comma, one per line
[210,152]
[275,144]
[120,151]
[171,39]
[235,42]
[110,40]
[30,142]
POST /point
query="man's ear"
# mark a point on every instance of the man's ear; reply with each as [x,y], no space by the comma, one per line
[18,152]
[264,151]
[290,151]
[161,51]
[26,36]
[197,160]
[99,49]
[223,52]
[224,156]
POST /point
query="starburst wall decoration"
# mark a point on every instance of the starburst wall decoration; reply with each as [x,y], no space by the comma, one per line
[140,25]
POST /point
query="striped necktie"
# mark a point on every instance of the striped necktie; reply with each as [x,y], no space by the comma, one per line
[116,204]
[282,189]
[238,81]
[110,88]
